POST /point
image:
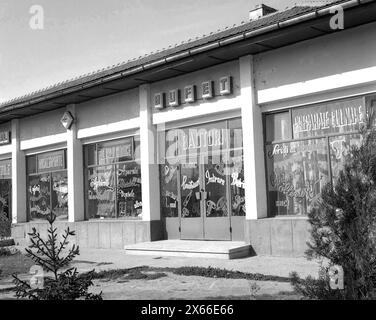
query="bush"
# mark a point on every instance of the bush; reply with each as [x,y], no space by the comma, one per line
[5,226]
[64,285]
[344,226]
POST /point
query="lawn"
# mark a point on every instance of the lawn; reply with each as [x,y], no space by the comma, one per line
[17,263]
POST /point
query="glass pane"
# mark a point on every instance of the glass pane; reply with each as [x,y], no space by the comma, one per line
[169,190]
[137,146]
[39,194]
[5,197]
[334,117]
[101,192]
[215,187]
[6,169]
[339,147]
[236,134]
[297,172]
[129,199]
[90,154]
[237,185]
[278,127]
[31,164]
[190,184]
[59,195]
[115,151]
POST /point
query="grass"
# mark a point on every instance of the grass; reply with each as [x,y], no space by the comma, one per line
[208,272]
[17,263]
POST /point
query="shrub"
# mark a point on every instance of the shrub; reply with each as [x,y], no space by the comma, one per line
[63,285]
[343,227]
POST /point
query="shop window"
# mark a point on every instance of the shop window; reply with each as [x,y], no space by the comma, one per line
[297,172]
[113,179]
[5,187]
[195,152]
[299,165]
[47,185]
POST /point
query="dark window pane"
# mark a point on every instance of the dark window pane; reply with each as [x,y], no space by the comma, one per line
[59,195]
[129,200]
[215,187]
[101,192]
[237,185]
[31,164]
[169,190]
[90,155]
[39,195]
[297,172]
[278,127]
[137,147]
[190,185]
[5,197]
[236,133]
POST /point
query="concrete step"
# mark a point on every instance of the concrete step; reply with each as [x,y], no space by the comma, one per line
[192,248]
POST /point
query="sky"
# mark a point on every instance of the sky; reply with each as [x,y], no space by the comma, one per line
[81,36]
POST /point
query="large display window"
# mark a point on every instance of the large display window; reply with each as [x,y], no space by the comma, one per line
[217,146]
[305,148]
[113,179]
[5,187]
[47,185]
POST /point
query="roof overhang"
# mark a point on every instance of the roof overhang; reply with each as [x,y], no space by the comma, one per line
[304,27]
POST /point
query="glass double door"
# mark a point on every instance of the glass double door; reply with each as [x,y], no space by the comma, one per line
[204,200]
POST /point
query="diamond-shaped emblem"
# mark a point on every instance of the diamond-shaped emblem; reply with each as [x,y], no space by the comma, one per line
[67,120]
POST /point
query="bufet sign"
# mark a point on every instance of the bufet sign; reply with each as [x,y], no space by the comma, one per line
[206,90]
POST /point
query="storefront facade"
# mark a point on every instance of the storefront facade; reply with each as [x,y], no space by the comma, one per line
[238,150]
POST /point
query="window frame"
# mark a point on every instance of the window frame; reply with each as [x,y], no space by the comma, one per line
[369,101]
[135,140]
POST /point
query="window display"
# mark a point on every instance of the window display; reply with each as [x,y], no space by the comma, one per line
[47,185]
[303,154]
[113,179]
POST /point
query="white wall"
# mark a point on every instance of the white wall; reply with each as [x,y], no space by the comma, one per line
[327,63]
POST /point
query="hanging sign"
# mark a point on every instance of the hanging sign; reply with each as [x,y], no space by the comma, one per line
[51,161]
[4,137]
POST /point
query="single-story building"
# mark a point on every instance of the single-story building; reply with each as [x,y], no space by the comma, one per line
[230,136]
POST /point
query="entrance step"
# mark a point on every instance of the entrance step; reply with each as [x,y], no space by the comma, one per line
[192,248]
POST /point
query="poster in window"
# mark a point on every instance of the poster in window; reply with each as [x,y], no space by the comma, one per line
[334,117]
[339,149]
[297,172]
[39,196]
[59,195]
[169,189]
[101,192]
[129,200]
[237,185]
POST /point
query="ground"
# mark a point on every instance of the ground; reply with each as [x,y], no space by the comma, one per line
[121,276]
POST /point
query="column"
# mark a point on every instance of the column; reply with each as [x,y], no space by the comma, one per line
[75,170]
[19,213]
[253,144]
[149,165]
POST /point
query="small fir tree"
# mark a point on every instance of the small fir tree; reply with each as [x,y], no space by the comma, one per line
[54,257]
[343,227]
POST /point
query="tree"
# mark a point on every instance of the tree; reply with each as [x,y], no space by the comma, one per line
[343,227]
[49,255]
